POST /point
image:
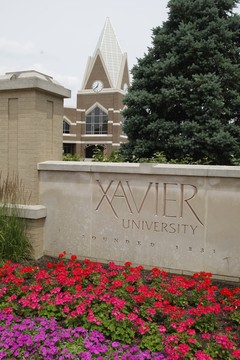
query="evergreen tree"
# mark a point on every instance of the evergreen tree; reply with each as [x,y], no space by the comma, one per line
[185,96]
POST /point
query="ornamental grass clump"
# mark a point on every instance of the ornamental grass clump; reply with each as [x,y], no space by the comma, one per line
[14,240]
[153,312]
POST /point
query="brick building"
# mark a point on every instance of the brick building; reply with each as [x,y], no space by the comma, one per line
[97,120]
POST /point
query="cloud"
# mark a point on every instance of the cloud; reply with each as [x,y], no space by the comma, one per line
[16,48]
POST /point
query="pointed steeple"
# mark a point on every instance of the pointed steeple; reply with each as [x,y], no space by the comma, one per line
[111,51]
[108,63]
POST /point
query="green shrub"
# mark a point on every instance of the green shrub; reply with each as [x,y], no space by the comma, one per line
[115,156]
[98,155]
[15,244]
[72,157]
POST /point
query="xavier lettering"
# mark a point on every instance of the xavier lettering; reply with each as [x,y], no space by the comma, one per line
[169,200]
[115,195]
[186,201]
[144,197]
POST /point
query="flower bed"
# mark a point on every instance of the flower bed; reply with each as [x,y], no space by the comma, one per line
[45,339]
[87,310]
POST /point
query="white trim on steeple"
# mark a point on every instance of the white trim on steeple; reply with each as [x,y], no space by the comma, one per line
[121,71]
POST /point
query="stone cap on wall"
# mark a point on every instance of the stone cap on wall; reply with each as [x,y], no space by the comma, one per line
[33,212]
[32,79]
[142,168]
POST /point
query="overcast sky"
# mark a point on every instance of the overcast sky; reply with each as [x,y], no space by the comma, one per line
[57,36]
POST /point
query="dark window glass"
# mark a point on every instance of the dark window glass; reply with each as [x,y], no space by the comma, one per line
[97,122]
[69,149]
[66,127]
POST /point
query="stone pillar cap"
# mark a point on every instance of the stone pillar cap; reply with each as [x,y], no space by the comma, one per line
[32,79]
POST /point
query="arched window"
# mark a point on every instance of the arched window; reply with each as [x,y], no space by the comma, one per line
[66,127]
[97,122]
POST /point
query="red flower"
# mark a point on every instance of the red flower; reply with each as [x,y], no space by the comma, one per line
[130,289]
[26,269]
[128,264]
[61,255]
[49,265]
[156,272]
[117,284]
[226,291]
[73,257]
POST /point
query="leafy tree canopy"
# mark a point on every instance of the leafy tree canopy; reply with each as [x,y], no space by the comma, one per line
[185,96]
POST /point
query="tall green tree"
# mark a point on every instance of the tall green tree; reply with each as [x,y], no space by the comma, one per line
[185,96]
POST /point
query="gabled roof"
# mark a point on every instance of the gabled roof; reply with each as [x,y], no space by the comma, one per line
[111,51]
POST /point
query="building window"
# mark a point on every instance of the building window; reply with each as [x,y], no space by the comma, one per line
[66,127]
[97,122]
[69,149]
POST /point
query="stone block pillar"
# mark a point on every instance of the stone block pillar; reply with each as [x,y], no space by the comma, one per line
[31,119]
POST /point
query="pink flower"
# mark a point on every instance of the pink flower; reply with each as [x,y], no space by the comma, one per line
[66,309]
[224,341]
[132,317]
[200,355]
[91,318]
[162,329]
[183,348]
[80,309]
[151,311]
[191,341]
[12,297]
[191,331]
[236,354]
[8,310]
[143,329]
[118,315]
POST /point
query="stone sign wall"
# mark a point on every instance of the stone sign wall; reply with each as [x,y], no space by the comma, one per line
[181,218]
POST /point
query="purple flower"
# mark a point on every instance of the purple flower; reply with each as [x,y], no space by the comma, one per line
[115,344]
[44,339]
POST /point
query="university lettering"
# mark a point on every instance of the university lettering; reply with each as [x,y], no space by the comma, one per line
[157,226]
